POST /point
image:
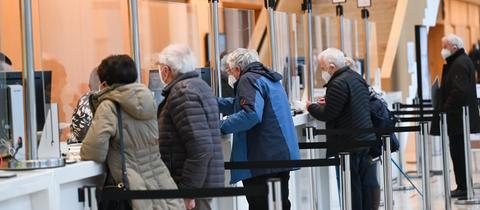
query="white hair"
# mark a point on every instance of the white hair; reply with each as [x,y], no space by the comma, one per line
[351,63]
[178,57]
[333,56]
[241,57]
[94,81]
[454,40]
[223,63]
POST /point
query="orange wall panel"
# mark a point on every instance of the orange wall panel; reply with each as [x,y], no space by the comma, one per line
[459,13]
[11,32]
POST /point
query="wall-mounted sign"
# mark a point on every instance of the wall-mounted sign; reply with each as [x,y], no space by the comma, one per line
[364,3]
[338,1]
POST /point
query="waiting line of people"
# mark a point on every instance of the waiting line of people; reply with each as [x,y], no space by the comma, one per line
[178,144]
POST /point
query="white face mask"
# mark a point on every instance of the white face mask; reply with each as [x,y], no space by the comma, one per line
[326,76]
[445,53]
[231,80]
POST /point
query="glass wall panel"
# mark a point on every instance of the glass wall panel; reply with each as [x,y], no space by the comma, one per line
[11,47]
[238,27]
[71,38]
[162,23]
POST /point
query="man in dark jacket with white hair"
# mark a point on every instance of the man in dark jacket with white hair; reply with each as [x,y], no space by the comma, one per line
[458,89]
[346,106]
[188,122]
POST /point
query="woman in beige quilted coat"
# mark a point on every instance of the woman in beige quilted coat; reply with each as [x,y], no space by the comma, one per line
[145,169]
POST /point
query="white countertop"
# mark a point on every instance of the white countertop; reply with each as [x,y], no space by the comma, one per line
[31,181]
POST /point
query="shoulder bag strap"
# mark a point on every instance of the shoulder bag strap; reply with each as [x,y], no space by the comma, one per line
[122,146]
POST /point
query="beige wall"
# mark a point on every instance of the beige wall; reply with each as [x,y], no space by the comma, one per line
[462,17]
[381,13]
[400,78]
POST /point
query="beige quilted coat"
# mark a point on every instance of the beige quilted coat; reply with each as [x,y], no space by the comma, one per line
[145,168]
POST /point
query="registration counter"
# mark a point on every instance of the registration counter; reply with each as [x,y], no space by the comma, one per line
[52,189]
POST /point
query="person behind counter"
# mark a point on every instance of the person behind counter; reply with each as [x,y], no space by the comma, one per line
[5,63]
[145,169]
[188,120]
[261,123]
[82,114]
[346,106]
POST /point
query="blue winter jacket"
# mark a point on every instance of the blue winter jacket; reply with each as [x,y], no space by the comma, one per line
[260,120]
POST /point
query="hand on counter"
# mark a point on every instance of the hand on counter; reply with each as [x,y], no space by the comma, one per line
[189,203]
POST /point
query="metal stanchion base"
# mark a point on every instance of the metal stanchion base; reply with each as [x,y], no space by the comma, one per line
[474,201]
[403,188]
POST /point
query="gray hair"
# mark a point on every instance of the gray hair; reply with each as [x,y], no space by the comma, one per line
[333,56]
[223,63]
[241,57]
[5,67]
[178,57]
[94,80]
[351,63]
[454,40]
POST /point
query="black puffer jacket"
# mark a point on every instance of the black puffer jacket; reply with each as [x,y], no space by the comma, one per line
[347,107]
[457,90]
[189,133]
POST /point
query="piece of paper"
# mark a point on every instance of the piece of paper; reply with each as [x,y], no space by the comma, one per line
[364,3]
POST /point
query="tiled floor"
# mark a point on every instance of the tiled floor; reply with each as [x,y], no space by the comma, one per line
[410,200]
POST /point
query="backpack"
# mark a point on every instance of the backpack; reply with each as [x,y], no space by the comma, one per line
[382,118]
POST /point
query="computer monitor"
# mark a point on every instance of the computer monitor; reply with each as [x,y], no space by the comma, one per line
[3,109]
[43,87]
[205,75]
[222,45]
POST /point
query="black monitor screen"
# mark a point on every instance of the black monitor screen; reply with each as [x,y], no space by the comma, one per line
[205,75]
[43,86]
[3,109]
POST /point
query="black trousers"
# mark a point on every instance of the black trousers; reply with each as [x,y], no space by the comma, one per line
[457,152]
[261,203]
[364,182]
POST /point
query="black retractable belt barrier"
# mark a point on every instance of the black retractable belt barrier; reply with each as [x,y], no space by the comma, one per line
[403,106]
[414,112]
[114,194]
[281,164]
[325,145]
[312,145]
[415,119]
[366,130]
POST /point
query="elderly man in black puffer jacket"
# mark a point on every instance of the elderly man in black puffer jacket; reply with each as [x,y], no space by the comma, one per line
[346,106]
[188,122]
